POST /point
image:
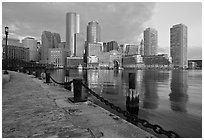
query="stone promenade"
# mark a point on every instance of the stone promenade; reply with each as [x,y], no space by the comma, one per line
[31,108]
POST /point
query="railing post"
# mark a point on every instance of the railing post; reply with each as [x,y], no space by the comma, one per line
[47,77]
[132,99]
[36,74]
[79,96]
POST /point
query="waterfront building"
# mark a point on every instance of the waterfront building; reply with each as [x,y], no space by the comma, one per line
[74,62]
[79,44]
[195,64]
[16,50]
[31,43]
[93,49]
[129,49]
[72,27]
[57,57]
[93,32]
[157,61]
[109,46]
[111,59]
[49,40]
[132,49]
[178,45]
[132,61]
[150,41]
[62,45]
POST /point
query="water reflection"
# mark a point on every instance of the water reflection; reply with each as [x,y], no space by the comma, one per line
[132,102]
[179,87]
[151,99]
[132,105]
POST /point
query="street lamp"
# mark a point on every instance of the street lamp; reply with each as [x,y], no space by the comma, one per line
[6,50]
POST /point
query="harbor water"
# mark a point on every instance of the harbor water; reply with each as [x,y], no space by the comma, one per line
[169,98]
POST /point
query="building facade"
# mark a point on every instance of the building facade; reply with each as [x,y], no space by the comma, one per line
[49,40]
[56,40]
[72,27]
[157,61]
[132,61]
[109,46]
[150,41]
[31,43]
[178,45]
[16,51]
[79,44]
[57,57]
[93,32]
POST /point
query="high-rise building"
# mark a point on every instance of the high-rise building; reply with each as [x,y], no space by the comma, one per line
[178,45]
[72,27]
[31,43]
[142,47]
[109,46]
[79,44]
[93,32]
[150,41]
[56,40]
[49,40]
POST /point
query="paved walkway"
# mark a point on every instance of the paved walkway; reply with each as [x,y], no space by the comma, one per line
[31,108]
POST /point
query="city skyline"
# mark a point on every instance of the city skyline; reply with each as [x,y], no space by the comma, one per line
[113,21]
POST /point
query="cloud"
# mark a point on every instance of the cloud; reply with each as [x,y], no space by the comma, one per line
[122,22]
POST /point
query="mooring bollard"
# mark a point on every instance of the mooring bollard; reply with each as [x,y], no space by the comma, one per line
[132,99]
[131,80]
[47,78]
[36,74]
[29,72]
[79,96]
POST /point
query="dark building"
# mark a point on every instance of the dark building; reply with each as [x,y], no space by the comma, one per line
[109,46]
[49,40]
[157,60]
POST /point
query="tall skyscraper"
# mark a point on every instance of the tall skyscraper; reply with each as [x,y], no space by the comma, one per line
[93,32]
[72,27]
[150,41]
[56,40]
[178,45]
[142,47]
[49,40]
[31,43]
[79,44]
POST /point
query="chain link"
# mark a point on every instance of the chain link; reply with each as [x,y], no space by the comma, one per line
[156,128]
[65,83]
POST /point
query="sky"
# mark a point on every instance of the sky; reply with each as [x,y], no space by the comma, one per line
[123,22]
